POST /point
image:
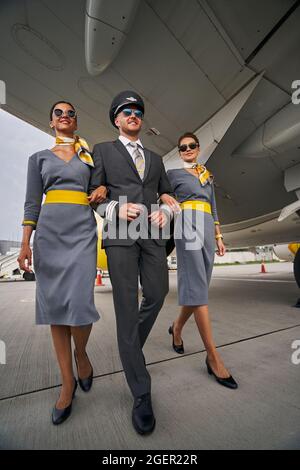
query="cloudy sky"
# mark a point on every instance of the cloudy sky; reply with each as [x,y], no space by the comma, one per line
[19,140]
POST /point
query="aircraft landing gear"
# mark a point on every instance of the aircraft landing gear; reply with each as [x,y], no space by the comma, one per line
[297,273]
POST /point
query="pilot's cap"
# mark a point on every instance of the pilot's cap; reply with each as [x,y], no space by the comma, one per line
[122,100]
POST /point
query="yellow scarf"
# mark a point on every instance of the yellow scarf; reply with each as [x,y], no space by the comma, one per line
[204,175]
[80,145]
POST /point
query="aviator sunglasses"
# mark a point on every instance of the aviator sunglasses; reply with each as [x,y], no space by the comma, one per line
[184,147]
[137,112]
[70,113]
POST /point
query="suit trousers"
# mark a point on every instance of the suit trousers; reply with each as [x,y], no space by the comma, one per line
[144,260]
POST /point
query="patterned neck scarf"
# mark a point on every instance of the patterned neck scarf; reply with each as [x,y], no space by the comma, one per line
[204,175]
[80,145]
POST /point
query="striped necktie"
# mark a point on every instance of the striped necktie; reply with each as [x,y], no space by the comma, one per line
[138,159]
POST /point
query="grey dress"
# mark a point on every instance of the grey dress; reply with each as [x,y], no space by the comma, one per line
[65,242]
[194,266]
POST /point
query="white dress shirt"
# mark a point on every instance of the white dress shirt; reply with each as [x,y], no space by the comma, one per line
[126,142]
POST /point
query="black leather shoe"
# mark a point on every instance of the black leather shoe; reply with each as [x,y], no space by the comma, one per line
[84,384]
[227,382]
[177,347]
[143,419]
[60,415]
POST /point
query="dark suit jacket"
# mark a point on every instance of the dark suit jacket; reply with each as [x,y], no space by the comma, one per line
[115,169]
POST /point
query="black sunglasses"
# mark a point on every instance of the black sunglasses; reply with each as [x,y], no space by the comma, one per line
[184,147]
[70,113]
[128,112]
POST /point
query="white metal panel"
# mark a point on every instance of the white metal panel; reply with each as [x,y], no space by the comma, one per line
[106,27]
[117,13]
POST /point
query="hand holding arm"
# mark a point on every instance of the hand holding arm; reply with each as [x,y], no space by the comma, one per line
[171,202]
[98,195]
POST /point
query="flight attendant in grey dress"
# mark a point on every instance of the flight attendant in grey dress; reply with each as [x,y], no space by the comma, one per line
[196,230]
[64,249]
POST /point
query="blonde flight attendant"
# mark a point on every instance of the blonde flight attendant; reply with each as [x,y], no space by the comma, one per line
[64,249]
[194,190]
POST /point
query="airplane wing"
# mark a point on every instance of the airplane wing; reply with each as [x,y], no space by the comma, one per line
[189,59]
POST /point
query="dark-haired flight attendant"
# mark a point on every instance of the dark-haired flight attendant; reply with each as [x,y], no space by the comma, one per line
[64,249]
[194,190]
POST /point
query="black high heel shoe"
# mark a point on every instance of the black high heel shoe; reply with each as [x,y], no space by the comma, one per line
[60,415]
[227,382]
[177,348]
[84,384]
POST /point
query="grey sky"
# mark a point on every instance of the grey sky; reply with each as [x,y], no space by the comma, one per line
[19,140]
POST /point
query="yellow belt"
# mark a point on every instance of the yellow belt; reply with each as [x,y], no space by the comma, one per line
[64,196]
[197,205]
